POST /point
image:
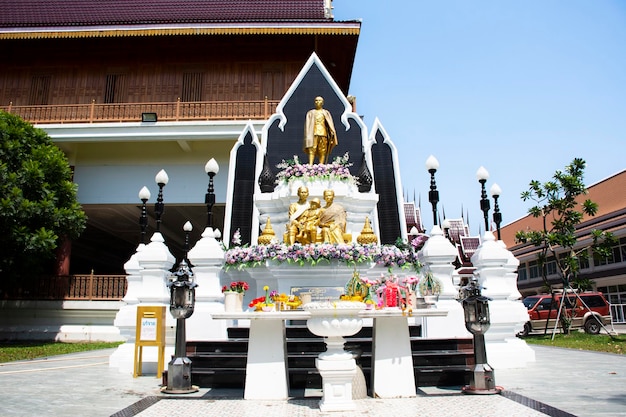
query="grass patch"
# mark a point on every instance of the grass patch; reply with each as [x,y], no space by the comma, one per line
[581,341]
[19,351]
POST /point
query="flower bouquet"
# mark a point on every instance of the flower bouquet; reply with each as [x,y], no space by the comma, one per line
[264,302]
[233,295]
[236,286]
[411,299]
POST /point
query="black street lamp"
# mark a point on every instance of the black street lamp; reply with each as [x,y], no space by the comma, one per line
[187,227]
[211,168]
[477,322]
[433,195]
[144,196]
[497,216]
[182,301]
[161,180]
[482,176]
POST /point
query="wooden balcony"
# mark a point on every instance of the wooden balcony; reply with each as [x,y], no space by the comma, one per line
[131,112]
[69,287]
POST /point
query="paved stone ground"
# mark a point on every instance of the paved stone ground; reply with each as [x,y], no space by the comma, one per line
[561,382]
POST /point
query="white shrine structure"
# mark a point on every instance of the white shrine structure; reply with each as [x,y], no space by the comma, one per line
[253,197]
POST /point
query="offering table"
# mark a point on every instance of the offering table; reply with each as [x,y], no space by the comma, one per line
[266,370]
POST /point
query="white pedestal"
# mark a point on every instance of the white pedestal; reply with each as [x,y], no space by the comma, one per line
[266,371]
[392,368]
[337,377]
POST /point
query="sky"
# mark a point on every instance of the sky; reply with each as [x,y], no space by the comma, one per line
[519,87]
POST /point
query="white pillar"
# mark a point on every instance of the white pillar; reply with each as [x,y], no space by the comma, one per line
[437,256]
[495,267]
[207,258]
[154,263]
[126,317]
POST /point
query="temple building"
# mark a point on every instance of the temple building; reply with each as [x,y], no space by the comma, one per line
[126,90]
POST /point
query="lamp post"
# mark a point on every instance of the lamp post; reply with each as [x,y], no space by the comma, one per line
[161,180]
[482,176]
[497,216]
[433,195]
[182,300]
[144,196]
[187,228]
[211,168]
[477,322]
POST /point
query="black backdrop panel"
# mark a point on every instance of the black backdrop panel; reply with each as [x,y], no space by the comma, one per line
[243,196]
[283,145]
[385,186]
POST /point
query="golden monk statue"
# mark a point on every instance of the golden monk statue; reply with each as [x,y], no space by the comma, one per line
[296,211]
[332,221]
[320,136]
[309,222]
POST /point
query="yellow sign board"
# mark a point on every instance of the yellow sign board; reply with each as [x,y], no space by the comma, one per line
[150,331]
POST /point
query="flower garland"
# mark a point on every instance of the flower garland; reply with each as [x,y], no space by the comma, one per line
[336,171]
[313,254]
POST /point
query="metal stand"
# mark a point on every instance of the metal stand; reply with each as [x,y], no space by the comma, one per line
[561,306]
[182,300]
[477,322]
[179,368]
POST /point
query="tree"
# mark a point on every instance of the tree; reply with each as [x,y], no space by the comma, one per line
[38,205]
[558,207]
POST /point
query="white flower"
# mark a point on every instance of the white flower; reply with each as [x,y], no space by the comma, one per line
[237,238]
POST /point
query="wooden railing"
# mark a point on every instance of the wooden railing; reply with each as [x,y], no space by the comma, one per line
[131,112]
[69,287]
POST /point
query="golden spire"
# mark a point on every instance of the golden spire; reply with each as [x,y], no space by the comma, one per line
[367,234]
[268,234]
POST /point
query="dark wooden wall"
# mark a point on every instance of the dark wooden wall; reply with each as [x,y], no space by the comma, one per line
[154,69]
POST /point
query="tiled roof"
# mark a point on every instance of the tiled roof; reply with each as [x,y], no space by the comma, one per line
[68,13]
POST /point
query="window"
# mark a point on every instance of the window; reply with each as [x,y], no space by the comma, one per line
[114,88]
[522,275]
[618,254]
[533,270]
[593,300]
[583,263]
[551,267]
[546,304]
[39,90]
[192,87]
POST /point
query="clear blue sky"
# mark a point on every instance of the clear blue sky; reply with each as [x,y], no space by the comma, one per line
[519,87]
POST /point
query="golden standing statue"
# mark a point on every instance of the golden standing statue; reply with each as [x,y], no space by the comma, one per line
[320,136]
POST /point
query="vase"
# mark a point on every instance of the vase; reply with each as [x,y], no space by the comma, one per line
[430,300]
[334,320]
[233,301]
